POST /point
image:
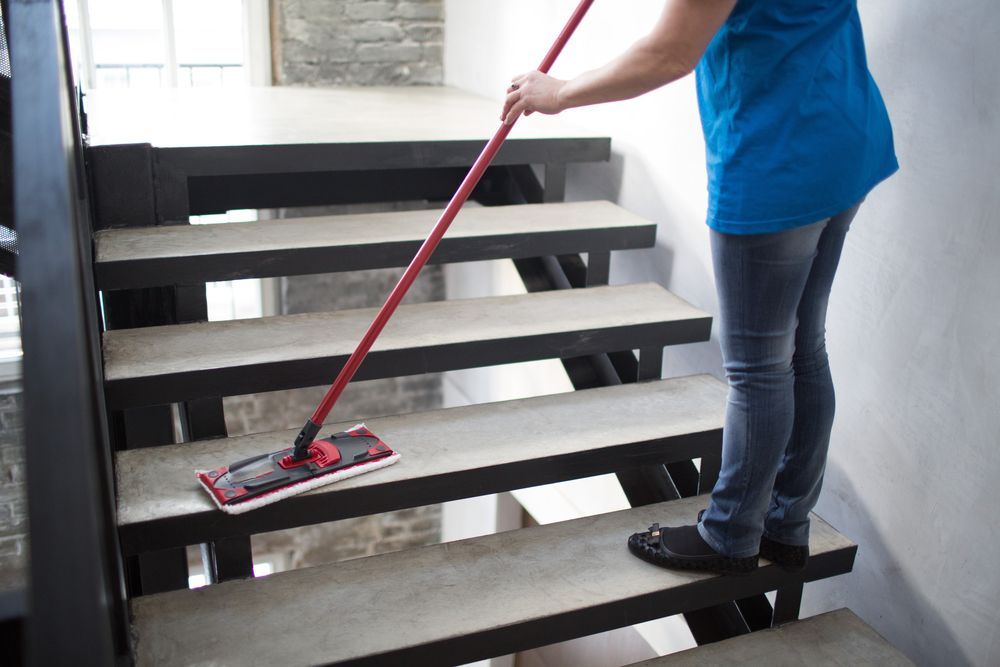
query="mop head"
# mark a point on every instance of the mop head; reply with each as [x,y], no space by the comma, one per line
[268,478]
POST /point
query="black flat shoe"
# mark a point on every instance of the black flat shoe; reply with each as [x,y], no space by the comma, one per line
[788,557]
[684,549]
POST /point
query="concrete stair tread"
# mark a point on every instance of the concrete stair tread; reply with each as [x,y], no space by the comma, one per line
[446,454]
[188,254]
[454,602]
[156,365]
[835,639]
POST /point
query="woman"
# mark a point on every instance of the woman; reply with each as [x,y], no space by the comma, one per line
[796,135]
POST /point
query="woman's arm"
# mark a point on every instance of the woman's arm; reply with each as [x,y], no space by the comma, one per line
[669,52]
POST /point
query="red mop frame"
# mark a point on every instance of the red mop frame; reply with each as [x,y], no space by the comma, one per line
[428,247]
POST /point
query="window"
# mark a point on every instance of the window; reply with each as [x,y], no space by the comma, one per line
[183,44]
[10,330]
[169,43]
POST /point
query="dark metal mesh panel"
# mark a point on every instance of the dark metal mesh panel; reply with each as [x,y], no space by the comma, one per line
[8,240]
[4,52]
[8,237]
[8,251]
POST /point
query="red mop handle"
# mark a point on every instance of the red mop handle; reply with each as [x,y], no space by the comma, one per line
[428,247]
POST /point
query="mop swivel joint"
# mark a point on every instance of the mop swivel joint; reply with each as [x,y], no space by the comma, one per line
[304,439]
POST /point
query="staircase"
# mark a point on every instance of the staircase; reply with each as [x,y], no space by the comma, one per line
[475,598]
[453,602]
[443,604]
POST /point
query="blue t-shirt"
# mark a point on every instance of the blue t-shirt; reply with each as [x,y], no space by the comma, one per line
[795,128]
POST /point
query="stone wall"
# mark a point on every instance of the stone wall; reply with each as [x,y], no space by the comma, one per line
[358,42]
[13,504]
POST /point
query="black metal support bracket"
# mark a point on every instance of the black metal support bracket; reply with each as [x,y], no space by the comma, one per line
[555,182]
[650,364]
[756,611]
[787,601]
[598,268]
[159,572]
[227,559]
[201,419]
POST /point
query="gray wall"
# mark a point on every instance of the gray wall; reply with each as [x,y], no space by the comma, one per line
[914,322]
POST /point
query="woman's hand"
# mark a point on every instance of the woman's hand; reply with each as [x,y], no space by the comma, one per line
[532,92]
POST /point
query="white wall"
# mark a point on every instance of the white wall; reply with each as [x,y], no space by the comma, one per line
[914,326]
[657,169]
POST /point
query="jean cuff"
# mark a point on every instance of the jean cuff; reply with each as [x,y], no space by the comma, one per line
[791,542]
[715,544]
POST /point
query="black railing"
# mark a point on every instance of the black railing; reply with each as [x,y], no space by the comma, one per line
[75,596]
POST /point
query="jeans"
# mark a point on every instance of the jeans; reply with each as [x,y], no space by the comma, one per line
[773,294]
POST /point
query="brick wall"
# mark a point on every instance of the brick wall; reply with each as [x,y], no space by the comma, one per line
[358,42]
[13,507]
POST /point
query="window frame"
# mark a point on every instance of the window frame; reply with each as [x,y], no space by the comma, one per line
[257,69]
[256,44]
[10,368]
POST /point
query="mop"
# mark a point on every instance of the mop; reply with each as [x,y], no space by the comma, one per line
[310,463]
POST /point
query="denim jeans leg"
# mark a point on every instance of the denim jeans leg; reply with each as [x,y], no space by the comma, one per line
[800,476]
[760,280]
